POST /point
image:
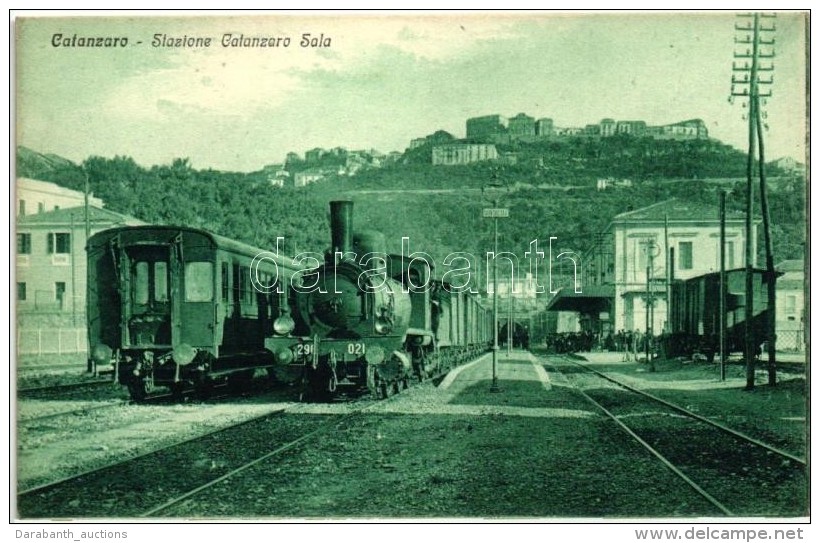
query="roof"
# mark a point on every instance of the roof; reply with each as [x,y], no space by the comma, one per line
[593,298]
[677,210]
[790,266]
[26,184]
[76,215]
[688,121]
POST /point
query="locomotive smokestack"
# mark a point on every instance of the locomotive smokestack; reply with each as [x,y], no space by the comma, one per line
[341,226]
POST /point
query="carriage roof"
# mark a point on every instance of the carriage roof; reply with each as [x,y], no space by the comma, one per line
[219,242]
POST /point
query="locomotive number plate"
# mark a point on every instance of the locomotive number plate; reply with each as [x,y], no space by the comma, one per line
[356,349]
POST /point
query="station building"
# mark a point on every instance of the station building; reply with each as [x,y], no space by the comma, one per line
[625,276]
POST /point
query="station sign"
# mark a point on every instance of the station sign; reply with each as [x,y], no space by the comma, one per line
[496,212]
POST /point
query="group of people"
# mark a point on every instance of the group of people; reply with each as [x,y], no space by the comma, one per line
[631,343]
[571,342]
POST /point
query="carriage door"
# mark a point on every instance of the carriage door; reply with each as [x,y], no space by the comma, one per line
[197,314]
[146,311]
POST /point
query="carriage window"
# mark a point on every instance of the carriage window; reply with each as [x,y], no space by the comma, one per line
[247,288]
[199,282]
[140,281]
[160,281]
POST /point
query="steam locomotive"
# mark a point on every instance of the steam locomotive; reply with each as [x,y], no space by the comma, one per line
[366,320]
[180,308]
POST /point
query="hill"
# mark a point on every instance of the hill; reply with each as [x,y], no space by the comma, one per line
[34,165]
[437,208]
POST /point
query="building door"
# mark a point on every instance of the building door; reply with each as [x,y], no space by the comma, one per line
[59,294]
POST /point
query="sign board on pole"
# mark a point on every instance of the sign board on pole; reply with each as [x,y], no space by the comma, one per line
[496,212]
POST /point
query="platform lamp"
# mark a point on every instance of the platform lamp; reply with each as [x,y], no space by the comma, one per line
[495,213]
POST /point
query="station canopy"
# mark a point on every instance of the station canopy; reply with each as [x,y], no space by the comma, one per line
[594,298]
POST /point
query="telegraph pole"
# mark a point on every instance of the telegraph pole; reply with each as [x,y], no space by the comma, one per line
[748,86]
[722,285]
[90,364]
[650,302]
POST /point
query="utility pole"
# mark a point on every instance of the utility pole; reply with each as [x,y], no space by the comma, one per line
[91,364]
[756,54]
[722,294]
[650,302]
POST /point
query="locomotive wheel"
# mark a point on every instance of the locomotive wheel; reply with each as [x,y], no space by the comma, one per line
[178,391]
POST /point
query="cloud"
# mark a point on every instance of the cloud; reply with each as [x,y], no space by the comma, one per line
[383,81]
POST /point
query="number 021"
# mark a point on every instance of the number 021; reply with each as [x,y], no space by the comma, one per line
[355,348]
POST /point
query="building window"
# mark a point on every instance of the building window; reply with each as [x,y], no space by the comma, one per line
[59,243]
[730,255]
[23,244]
[685,255]
[21,292]
[41,206]
[21,208]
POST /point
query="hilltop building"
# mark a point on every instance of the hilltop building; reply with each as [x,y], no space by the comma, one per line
[487,126]
[453,154]
[544,127]
[498,129]
[522,125]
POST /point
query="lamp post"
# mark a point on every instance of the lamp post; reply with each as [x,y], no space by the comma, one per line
[510,320]
[651,249]
[494,213]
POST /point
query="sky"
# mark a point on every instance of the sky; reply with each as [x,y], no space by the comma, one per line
[382,81]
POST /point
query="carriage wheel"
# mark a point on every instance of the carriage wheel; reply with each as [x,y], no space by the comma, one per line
[138,390]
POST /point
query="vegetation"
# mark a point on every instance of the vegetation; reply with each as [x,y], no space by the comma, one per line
[550,189]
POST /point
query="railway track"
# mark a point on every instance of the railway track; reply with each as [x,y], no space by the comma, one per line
[150,484]
[80,411]
[721,464]
[49,391]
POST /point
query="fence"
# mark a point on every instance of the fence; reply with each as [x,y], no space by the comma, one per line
[52,341]
[790,340]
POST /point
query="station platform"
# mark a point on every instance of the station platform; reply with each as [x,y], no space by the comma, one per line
[516,365]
